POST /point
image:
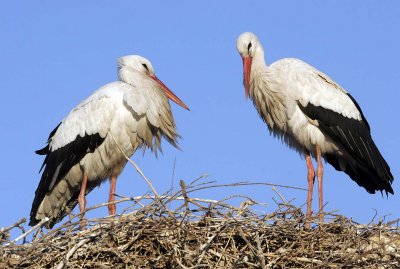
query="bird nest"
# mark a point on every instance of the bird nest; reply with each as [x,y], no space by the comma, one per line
[177,231]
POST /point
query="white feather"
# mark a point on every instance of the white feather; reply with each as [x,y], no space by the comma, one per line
[134,111]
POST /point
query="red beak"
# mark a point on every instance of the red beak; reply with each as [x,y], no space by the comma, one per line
[169,93]
[246,73]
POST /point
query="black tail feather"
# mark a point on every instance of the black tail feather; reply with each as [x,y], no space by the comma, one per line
[362,175]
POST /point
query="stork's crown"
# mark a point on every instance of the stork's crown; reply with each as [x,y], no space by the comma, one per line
[136,63]
[248,45]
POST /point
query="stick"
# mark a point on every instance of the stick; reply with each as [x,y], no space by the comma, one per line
[249,245]
[5,230]
[242,184]
[180,263]
[184,194]
[43,221]
[173,175]
[151,197]
[144,197]
[205,246]
[280,195]
[71,252]
[260,252]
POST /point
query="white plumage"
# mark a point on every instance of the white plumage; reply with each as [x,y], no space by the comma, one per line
[81,151]
[313,115]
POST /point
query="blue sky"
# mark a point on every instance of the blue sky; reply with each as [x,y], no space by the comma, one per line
[55,54]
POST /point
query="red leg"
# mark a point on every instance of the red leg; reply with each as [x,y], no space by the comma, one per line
[310,178]
[82,200]
[111,197]
[320,173]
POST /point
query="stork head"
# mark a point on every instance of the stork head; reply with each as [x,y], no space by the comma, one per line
[134,64]
[248,47]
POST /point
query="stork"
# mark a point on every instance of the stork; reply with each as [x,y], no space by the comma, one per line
[85,148]
[315,116]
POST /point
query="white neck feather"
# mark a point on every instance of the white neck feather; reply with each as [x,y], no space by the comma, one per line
[130,75]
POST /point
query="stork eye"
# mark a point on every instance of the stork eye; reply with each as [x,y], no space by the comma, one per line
[145,66]
[249,47]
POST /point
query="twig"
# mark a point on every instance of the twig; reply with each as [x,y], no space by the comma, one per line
[260,252]
[309,260]
[199,178]
[243,184]
[205,246]
[223,251]
[184,194]
[130,243]
[390,223]
[5,230]
[43,221]
[373,218]
[180,264]
[280,195]
[142,197]
[71,252]
[136,166]
[173,175]
[243,206]
[243,236]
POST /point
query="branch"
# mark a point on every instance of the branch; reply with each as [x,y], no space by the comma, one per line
[5,230]
[43,221]
[71,252]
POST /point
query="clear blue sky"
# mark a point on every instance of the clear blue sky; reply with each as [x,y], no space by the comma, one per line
[55,54]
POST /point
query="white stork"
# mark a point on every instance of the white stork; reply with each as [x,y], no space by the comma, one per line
[312,114]
[81,152]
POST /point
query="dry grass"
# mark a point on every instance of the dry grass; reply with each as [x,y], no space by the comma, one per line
[182,232]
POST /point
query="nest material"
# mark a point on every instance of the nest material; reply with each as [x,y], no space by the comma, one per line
[182,232]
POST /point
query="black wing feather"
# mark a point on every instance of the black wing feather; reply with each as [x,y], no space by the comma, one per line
[367,167]
[45,150]
[61,159]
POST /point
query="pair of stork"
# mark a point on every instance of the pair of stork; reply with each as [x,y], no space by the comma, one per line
[309,111]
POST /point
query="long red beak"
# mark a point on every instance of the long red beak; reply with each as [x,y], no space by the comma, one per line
[246,73]
[169,93]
